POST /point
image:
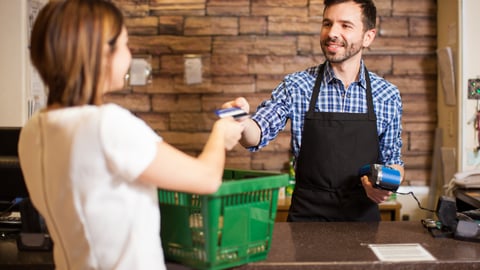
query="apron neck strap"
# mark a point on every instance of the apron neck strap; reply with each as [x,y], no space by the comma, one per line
[318,82]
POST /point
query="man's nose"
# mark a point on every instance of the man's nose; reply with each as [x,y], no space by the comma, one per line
[334,31]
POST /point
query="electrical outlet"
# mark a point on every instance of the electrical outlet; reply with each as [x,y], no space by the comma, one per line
[193,69]
[140,72]
[474,88]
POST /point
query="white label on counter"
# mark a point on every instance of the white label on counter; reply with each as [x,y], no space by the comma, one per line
[401,252]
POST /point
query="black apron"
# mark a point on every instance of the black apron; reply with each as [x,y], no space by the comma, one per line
[334,147]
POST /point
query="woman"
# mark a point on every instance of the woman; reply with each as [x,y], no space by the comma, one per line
[92,169]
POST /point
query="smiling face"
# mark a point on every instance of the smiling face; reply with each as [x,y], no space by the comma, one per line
[343,35]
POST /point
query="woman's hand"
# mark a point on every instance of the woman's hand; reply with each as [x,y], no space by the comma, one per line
[231,130]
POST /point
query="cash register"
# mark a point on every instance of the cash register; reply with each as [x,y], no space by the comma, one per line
[18,216]
[12,186]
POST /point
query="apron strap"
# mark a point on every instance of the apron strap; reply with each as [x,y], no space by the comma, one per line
[316,91]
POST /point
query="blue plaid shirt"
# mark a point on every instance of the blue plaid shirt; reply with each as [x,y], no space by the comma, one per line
[290,100]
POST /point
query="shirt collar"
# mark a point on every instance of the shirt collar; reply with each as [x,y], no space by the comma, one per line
[329,74]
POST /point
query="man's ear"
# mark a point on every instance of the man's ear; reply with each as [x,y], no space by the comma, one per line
[368,37]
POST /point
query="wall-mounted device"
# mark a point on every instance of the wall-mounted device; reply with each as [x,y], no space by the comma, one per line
[474,88]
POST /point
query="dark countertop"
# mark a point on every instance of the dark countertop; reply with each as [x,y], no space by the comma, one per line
[339,245]
[345,246]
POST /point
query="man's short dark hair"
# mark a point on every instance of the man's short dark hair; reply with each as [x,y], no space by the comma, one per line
[369,11]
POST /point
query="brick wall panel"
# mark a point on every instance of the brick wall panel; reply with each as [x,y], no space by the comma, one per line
[234,79]
[421,141]
[255,45]
[300,12]
[417,177]
[232,64]
[138,8]
[142,25]
[266,65]
[157,121]
[253,25]
[266,83]
[170,44]
[191,121]
[417,161]
[228,7]
[384,8]
[299,63]
[421,111]
[309,45]
[248,46]
[173,64]
[163,84]
[238,162]
[414,7]
[315,8]
[403,46]
[423,26]
[171,25]
[282,3]
[240,88]
[415,84]
[416,126]
[175,103]
[284,25]
[186,141]
[177,7]
[380,64]
[133,102]
[415,65]
[270,161]
[204,87]
[211,26]
[234,84]
[393,27]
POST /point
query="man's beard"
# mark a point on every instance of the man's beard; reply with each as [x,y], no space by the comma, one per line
[350,51]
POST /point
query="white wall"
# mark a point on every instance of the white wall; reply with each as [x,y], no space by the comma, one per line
[409,204]
[469,68]
[21,90]
[13,62]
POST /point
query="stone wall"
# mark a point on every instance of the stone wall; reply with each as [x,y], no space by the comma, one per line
[247,46]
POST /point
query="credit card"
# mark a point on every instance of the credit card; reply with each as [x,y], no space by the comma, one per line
[234,112]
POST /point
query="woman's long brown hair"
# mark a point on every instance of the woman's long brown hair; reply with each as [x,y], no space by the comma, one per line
[68,48]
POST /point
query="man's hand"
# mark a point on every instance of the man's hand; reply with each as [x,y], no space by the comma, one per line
[239,102]
[375,194]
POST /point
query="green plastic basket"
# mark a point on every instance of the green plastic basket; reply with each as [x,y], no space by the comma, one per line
[231,227]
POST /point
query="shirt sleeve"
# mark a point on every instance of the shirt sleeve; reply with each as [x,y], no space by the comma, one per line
[390,140]
[130,145]
[271,115]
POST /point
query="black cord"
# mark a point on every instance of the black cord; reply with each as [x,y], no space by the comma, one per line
[416,199]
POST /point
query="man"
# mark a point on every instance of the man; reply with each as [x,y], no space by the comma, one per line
[342,117]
